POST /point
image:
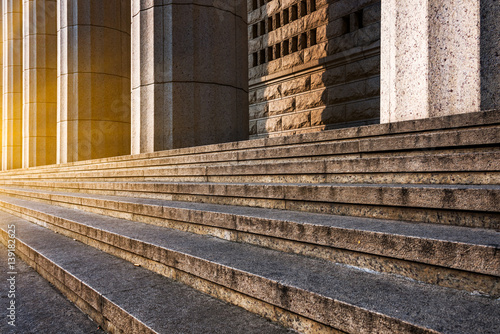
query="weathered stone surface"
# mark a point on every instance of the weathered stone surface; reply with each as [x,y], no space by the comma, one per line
[93,84]
[13,84]
[185,91]
[40,82]
[430,59]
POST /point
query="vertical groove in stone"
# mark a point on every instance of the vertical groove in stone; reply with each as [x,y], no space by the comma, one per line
[40,82]
[93,76]
[13,84]
[189,74]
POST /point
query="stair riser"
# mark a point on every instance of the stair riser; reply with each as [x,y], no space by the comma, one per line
[392,254]
[467,178]
[108,315]
[401,203]
[307,304]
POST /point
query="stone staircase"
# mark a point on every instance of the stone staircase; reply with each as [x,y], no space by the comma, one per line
[390,228]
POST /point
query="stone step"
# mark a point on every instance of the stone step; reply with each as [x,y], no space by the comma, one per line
[465,205]
[121,297]
[482,131]
[300,291]
[457,257]
[48,312]
[457,168]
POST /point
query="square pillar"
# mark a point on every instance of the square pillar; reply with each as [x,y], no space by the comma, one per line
[189,73]
[13,84]
[430,58]
[93,74]
[40,82]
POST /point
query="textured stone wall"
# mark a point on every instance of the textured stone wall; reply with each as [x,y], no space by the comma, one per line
[314,65]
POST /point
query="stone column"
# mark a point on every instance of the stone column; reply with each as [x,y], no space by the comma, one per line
[93,76]
[40,82]
[189,73]
[490,54]
[430,58]
[13,84]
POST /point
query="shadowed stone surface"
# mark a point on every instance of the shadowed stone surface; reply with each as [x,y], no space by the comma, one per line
[160,303]
[41,308]
[189,74]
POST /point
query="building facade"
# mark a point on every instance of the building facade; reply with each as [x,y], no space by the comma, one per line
[92,79]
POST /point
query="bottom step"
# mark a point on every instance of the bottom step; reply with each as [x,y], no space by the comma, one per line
[38,307]
[121,297]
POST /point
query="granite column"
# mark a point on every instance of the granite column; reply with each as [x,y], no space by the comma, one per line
[430,58]
[40,82]
[189,73]
[93,76]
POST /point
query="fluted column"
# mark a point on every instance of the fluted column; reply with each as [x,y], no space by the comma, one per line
[93,79]
[40,82]
[13,84]
[189,73]
[430,58]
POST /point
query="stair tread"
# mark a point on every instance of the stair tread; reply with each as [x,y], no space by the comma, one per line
[428,306]
[144,294]
[476,236]
[35,291]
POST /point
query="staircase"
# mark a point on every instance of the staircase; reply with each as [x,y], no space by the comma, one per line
[389,228]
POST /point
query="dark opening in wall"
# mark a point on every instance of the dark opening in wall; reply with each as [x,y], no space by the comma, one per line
[270,24]
[295,42]
[295,10]
[255,59]
[359,19]
[303,41]
[286,47]
[303,8]
[346,24]
[270,53]
[277,19]
[312,4]
[312,37]
[262,28]
[277,51]
[262,56]
[262,2]
[255,31]
[286,16]
[254,4]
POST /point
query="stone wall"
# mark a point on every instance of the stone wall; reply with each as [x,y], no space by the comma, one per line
[314,65]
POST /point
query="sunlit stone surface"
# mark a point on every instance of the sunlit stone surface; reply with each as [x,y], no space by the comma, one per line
[40,82]
[93,79]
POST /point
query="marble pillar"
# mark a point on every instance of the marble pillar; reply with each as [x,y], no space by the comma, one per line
[40,82]
[430,58]
[93,74]
[13,84]
[189,73]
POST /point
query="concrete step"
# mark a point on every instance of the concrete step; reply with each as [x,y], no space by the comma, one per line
[301,292]
[38,306]
[431,168]
[121,297]
[457,257]
[423,136]
[463,205]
